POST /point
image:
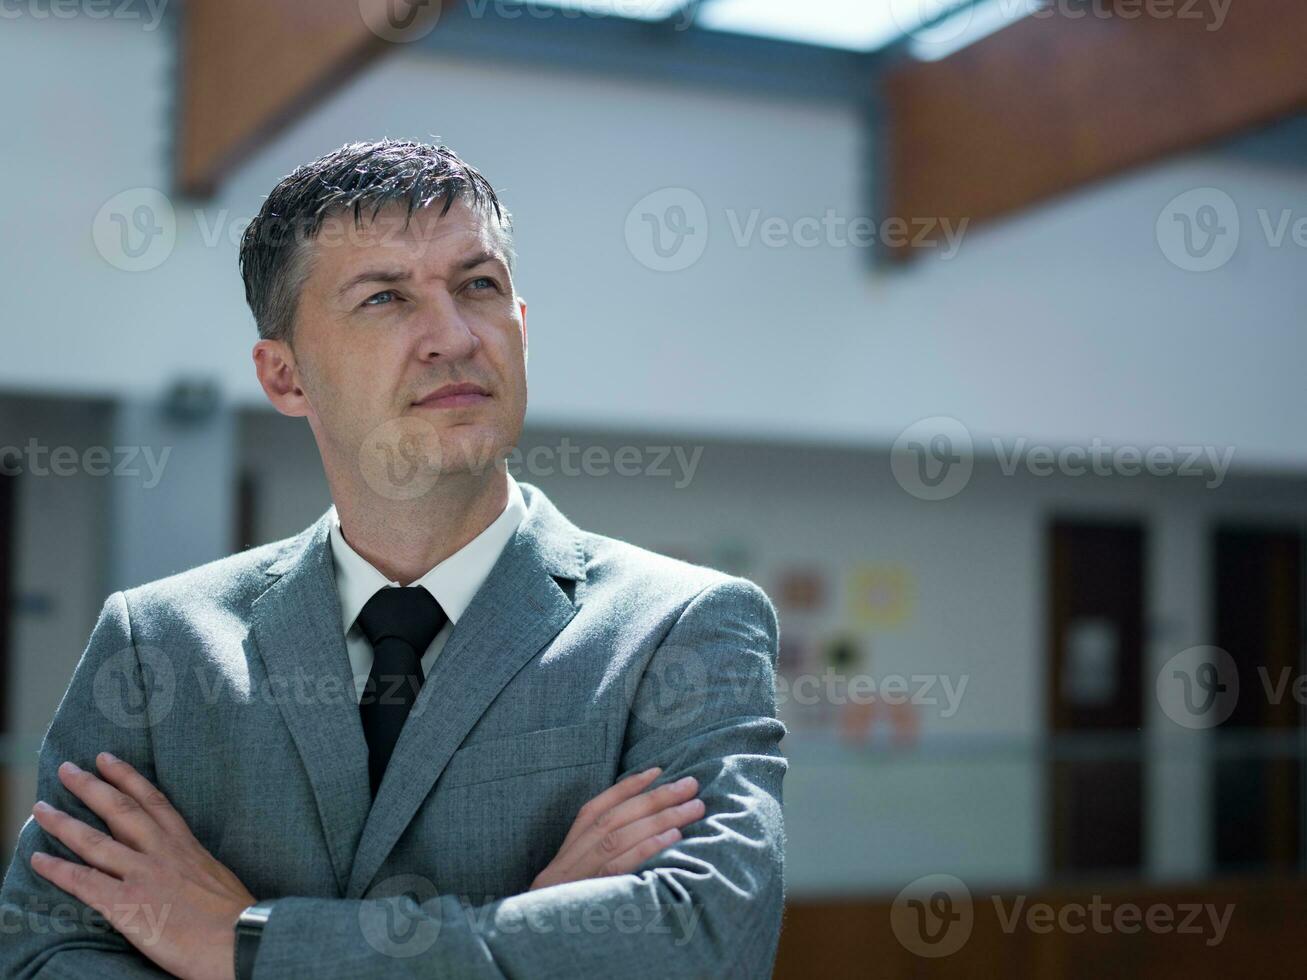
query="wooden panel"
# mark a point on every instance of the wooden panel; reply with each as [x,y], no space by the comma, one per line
[248,67]
[856,938]
[1050,103]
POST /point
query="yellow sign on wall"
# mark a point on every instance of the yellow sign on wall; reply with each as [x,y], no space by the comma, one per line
[882,595]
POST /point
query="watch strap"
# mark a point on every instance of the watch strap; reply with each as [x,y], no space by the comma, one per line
[249,930]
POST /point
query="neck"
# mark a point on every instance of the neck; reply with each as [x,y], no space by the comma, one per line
[405,539]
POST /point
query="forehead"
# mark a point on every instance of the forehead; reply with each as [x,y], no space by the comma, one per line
[425,235]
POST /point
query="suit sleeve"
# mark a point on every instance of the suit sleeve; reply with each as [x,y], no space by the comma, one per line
[47,933]
[710,906]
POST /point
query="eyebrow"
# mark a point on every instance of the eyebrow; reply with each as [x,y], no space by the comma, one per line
[393,275]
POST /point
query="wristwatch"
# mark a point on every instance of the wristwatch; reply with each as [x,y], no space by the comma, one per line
[249,930]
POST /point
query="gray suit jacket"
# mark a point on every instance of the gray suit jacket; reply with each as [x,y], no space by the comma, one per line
[581,659]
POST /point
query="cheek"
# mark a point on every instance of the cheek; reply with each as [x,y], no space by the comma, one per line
[347,398]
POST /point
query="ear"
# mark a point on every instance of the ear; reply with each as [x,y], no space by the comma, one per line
[521,306]
[274,363]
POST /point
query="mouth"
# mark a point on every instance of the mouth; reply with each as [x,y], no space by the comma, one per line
[454,396]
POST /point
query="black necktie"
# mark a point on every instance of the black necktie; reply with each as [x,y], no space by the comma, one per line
[400,624]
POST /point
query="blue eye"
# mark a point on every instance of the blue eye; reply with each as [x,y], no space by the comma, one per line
[486,279]
[384,292]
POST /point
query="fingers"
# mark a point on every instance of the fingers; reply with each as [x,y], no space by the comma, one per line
[642,852]
[620,791]
[643,834]
[650,802]
[145,793]
[600,839]
[92,887]
[92,846]
[126,819]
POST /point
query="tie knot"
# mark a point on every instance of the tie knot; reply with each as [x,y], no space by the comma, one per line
[410,614]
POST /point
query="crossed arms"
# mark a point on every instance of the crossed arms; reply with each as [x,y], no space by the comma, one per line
[129,893]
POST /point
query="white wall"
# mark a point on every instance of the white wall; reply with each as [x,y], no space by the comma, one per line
[1063,324]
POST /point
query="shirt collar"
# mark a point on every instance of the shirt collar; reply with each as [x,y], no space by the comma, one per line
[453,582]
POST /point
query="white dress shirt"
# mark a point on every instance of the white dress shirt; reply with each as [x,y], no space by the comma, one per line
[452,583]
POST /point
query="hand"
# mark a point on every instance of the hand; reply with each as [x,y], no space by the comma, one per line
[152,880]
[618,830]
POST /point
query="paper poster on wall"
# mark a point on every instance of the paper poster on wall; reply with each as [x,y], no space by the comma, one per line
[882,595]
[801,589]
[1089,667]
[792,658]
[865,714]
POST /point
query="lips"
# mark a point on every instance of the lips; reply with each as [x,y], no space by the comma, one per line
[464,393]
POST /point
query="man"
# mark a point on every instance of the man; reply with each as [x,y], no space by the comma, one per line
[442,732]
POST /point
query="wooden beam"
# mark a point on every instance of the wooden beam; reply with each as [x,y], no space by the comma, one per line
[249,67]
[1076,94]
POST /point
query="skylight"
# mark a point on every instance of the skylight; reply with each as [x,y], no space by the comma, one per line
[630,9]
[857,25]
[931,28]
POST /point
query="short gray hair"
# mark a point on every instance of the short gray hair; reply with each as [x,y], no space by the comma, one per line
[273,255]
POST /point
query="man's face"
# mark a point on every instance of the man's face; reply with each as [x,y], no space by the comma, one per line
[388,315]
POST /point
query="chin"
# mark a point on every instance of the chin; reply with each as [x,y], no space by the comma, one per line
[468,446]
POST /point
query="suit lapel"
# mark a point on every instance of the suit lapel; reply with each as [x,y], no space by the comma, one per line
[516,612]
[297,629]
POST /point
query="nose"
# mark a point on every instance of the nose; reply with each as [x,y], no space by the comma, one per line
[444,333]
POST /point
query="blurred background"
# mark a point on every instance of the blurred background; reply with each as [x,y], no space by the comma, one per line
[973,332]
